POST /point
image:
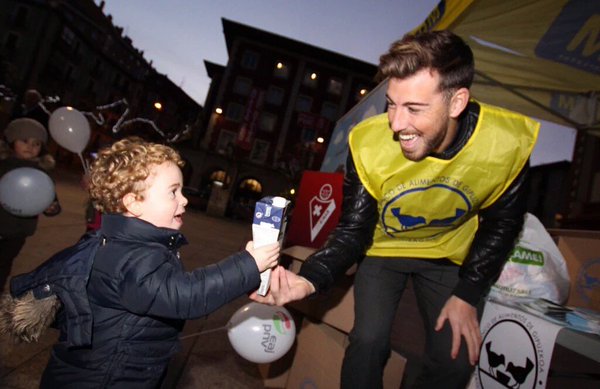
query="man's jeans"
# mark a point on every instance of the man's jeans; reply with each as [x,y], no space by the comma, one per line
[378,287]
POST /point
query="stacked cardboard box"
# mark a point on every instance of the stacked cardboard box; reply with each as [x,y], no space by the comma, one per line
[318,359]
[581,250]
[322,338]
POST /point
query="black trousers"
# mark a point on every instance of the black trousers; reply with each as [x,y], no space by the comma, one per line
[9,249]
[378,287]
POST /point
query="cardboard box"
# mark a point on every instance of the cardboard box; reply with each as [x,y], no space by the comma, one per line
[581,250]
[336,306]
[319,355]
[275,374]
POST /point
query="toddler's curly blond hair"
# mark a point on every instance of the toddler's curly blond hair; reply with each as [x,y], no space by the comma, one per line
[122,168]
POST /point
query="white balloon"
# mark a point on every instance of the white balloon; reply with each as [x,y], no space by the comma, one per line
[261,333]
[70,129]
[26,191]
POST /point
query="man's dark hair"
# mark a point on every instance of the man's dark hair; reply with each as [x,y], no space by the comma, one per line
[440,51]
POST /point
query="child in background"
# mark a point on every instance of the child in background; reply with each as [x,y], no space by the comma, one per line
[93,217]
[24,147]
[138,293]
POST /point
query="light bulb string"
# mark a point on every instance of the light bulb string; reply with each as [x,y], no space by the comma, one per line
[7,94]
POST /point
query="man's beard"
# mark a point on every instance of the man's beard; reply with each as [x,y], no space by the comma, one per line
[427,148]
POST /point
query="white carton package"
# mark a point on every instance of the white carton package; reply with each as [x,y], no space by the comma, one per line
[268,226]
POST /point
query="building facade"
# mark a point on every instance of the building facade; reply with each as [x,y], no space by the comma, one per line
[269,115]
[73,51]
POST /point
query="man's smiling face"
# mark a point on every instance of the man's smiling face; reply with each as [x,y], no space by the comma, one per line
[419,114]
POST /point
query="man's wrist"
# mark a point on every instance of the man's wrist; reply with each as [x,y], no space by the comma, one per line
[309,285]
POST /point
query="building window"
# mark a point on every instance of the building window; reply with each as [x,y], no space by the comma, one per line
[250,60]
[20,16]
[311,79]
[281,70]
[251,185]
[225,142]
[97,69]
[68,36]
[11,43]
[117,80]
[260,150]
[267,121]
[329,111]
[304,103]
[242,86]
[219,177]
[234,112]
[69,72]
[308,135]
[274,95]
[335,86]
[91,87]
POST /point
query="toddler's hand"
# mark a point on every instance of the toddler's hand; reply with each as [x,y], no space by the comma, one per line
[266,257]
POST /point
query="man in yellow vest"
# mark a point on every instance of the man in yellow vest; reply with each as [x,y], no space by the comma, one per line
[434,190]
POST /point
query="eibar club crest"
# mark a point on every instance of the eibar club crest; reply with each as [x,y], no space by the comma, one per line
[321,208]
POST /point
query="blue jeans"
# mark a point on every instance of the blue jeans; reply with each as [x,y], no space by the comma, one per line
[378,287]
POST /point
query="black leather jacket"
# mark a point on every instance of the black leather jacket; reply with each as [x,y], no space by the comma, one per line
[499,227]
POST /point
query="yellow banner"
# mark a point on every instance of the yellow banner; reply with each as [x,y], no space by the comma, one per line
[444,15]
[538,57]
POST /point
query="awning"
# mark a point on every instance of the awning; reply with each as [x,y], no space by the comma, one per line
[537,57]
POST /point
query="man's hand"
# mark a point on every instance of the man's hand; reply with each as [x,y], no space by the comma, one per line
[462,317]
[285,287]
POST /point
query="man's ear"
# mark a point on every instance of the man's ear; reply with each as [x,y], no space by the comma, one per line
[459,102]
[132,205]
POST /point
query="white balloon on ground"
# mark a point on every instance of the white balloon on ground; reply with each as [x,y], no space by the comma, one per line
[70,129]
[261,333]
[26,191]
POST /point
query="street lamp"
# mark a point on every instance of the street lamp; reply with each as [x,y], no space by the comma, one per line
[158,106]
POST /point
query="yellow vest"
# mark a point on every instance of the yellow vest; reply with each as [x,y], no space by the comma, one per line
[428,209]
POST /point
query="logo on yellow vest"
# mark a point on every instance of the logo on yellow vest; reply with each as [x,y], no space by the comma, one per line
[424,212]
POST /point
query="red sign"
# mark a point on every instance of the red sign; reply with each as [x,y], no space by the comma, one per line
[248,128]
[310,120]
[317,210]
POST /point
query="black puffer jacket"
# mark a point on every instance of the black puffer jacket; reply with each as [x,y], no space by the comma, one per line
[139,296]
[499,227]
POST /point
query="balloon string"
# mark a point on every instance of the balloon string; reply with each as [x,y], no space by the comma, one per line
[84,163]
[203,332]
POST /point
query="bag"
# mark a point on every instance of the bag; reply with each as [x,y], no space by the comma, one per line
[535,267]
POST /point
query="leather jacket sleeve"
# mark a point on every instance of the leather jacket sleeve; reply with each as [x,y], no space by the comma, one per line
[499,227]
[351,238]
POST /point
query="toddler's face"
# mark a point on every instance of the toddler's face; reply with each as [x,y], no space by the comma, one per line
[163,203]
[28,148]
